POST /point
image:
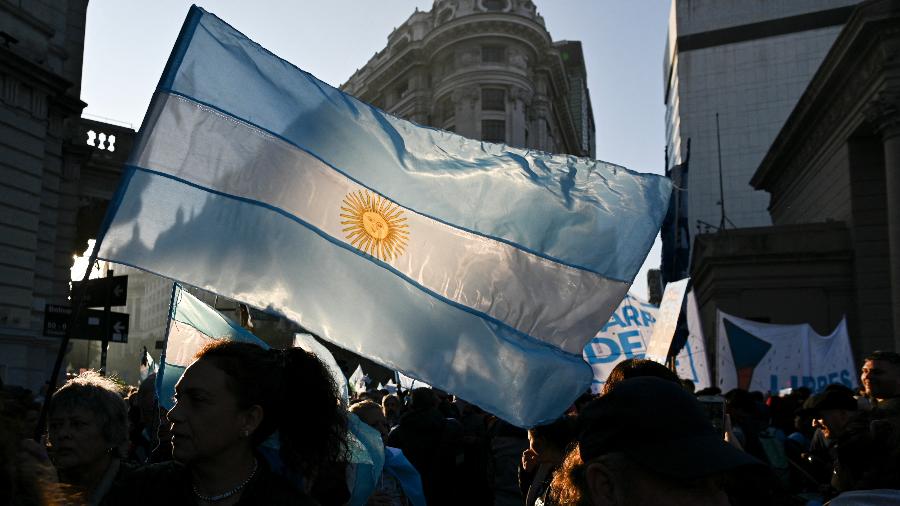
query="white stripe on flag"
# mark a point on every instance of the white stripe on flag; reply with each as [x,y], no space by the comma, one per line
[556,303]
[183,343]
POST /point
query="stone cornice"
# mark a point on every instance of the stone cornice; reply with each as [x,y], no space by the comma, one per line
[760,246]
[384,67]
[480,25]
[850,75]
[29,72]
[31,20]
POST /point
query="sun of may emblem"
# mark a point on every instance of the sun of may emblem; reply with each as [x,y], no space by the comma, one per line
[374,224]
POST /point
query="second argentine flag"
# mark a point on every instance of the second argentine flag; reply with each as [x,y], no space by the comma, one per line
[478,268]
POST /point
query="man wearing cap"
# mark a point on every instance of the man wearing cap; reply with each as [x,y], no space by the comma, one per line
[881,379]
[649,442]
[831,410]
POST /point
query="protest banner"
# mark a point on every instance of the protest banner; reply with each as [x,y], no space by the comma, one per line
[627,334]
[666,321]
[769,358]
[692,362]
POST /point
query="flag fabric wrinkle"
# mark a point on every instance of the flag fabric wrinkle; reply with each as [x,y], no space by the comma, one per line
[480,268]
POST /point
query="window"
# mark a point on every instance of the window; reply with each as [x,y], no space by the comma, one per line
[493,130]
[493,99]
[493,5]
[447,109]
[493,54]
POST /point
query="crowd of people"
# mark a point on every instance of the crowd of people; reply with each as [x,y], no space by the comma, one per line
[252,426]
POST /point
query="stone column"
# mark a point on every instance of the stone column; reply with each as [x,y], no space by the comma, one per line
[519,99]
[884,112]
[466,99]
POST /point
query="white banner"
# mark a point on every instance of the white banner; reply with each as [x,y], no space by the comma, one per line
[627,334]
[769,358]
[664,330]
[691,362]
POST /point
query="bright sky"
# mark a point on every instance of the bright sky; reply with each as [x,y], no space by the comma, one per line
[128,41]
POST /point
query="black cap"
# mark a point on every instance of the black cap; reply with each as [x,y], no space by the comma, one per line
[658,425]
[831,398]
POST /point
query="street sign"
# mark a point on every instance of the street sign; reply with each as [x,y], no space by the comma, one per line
[91,325]
[100,292]
[56,319]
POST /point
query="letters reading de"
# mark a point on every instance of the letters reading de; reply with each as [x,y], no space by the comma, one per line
[374,224]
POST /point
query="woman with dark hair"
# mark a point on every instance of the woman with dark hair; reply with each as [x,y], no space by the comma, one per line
[230,401]
[547,445]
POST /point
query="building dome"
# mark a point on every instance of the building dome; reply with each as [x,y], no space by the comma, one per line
[486,69]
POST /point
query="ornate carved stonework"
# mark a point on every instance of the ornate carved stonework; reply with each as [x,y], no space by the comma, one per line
[450,51]
[843,86]
[519,94]
[466,96]
[883,112]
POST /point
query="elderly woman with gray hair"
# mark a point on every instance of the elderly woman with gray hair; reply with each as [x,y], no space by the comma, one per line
[88,434]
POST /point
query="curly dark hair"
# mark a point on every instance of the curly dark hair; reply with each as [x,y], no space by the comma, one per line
[569,484]
[298,397]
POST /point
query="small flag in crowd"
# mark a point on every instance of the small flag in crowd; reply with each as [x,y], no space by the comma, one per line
[408,383]
[480,268]
[192,325]
[148,365]
[358,380]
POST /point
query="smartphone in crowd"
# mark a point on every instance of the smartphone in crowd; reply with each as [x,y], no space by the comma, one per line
[715,410]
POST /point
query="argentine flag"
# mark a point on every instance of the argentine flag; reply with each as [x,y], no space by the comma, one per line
[479,268]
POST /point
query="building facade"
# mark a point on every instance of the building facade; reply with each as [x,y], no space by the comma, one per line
[733,71]
[41,47]
[485,69]
[832,176]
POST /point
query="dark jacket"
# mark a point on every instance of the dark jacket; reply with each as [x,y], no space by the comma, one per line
[170,483]
[433,446]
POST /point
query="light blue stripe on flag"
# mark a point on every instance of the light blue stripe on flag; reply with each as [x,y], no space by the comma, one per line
[192,324]
[479,268]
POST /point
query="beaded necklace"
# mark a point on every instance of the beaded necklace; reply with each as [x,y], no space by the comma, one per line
[226,495]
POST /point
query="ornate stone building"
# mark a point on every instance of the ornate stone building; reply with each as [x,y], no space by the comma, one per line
[41,45]
[485,69]
[57,173]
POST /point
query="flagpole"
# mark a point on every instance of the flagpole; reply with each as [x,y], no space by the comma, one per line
[63,346]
